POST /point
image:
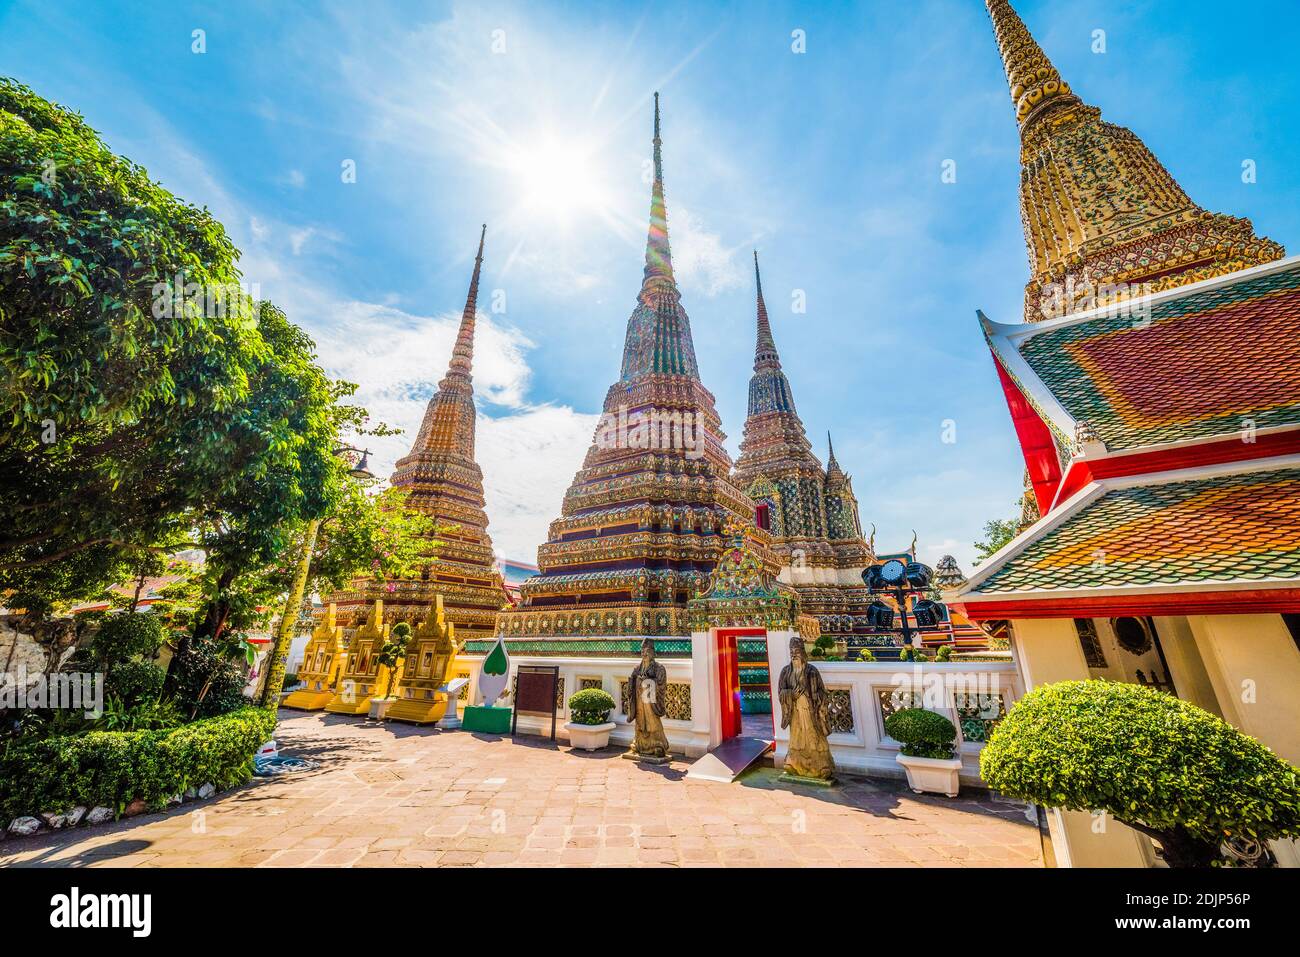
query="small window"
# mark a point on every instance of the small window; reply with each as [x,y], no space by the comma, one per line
[763,516]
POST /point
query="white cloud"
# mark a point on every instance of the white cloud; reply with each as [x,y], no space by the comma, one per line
[701,262]
[528,456]
[528,460]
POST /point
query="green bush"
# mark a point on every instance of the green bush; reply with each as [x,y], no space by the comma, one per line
[135,682]
[207,684]
[113,768]
[824,642]
[590,706]
[1163,766]
[911,653]
[866,654]
[125,636]
[944,653]
[922,734]
[148,715]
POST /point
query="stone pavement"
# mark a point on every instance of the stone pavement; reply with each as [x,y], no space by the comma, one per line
[397,795]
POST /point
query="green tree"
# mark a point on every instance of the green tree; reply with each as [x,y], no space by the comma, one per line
[118,400]
[1161,765]
[997,532]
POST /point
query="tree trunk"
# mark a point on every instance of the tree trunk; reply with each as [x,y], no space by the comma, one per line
[284,634]
[1180,848]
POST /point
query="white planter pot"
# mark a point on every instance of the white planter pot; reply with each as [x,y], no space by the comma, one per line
[379,707]
[932,775]
[589,737]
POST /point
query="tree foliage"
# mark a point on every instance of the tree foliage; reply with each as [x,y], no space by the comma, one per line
[997,532]
[148,405]
[1152,761]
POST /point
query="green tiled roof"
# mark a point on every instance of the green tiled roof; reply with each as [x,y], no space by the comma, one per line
[1243,527]
[1211,363]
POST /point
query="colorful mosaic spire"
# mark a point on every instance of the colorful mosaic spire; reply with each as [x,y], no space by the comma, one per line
[769,390]
[642,523]
[1104,220]
[810,512]
[659,331]
[444,481]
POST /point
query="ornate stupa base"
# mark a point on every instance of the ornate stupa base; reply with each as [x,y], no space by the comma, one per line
[305,700]
[418,710]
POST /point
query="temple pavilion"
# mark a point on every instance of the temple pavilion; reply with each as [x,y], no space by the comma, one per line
[1160,424]
[443,480]
[810,511]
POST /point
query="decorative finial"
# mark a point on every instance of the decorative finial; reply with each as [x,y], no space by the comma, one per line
[765,355]
[658,256]
[1035,83]
[462,356]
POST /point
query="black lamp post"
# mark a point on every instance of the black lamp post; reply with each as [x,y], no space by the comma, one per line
[900,579]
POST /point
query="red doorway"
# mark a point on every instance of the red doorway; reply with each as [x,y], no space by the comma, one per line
[732,719]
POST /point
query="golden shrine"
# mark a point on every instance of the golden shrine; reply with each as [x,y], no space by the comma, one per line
[444,481]
[1104,220]
[642,524]
[322,661]
[429,657]
[363,676]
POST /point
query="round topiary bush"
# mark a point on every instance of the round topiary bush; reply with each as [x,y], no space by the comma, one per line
[135,682]
[590,706]
[911,653]
[923,734]
[1162,766]
[125,635]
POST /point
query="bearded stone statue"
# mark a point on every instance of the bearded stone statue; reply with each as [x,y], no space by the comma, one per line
[805,710]
[645,706]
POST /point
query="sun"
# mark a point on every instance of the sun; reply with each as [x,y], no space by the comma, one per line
[559,180]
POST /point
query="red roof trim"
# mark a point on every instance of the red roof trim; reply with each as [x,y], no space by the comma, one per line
[1036,441]
[1270,601]
[1199,455]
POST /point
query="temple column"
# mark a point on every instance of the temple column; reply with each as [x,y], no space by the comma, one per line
[1254,665]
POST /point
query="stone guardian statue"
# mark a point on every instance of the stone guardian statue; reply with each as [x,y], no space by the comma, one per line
[645,707]
[805,710]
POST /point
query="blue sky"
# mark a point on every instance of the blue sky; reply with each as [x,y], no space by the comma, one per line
[535,119]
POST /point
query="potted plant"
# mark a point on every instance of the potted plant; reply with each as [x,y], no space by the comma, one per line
[926,753]
[589,725]
[390,656]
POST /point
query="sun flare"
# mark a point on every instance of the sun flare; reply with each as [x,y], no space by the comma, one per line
[559,180]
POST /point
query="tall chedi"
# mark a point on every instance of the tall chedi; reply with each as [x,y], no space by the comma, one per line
[642,524]
[443,481]
[1104,220]
[810,512]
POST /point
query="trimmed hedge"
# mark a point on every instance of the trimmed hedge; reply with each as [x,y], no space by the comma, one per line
[922,734]
[113,768]
[590,706]
[1157,763]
